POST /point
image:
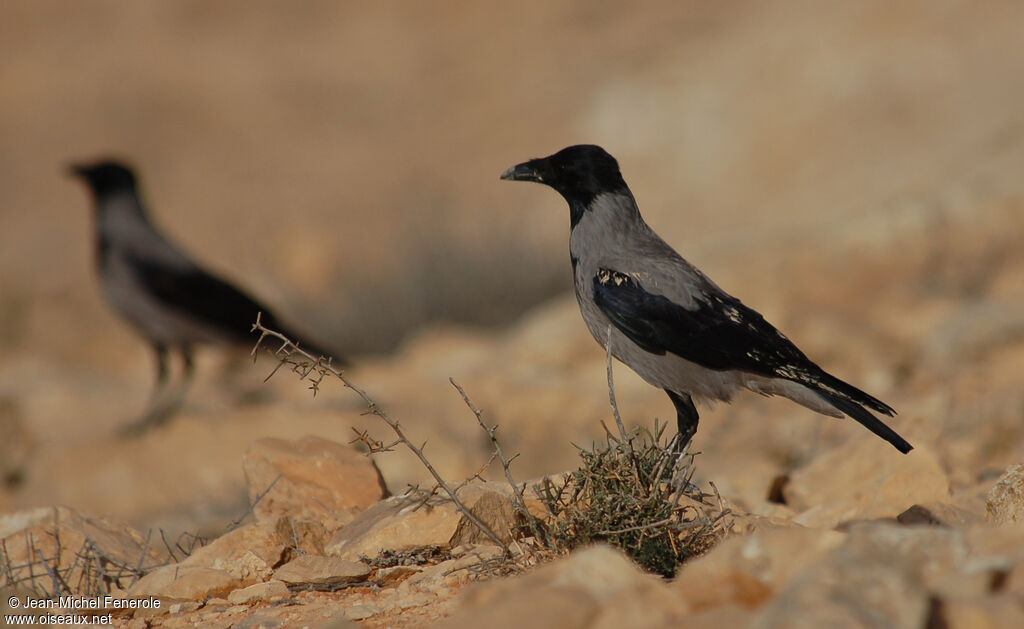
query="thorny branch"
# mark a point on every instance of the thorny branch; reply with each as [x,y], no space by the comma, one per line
[506,462]
[315,369]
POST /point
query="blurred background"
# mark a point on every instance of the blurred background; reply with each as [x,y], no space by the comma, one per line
[852,170]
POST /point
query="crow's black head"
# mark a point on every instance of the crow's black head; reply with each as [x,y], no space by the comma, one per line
[579,173]
[105,177]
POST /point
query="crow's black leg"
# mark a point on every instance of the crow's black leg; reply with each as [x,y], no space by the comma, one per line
[190,369]
[156,409]
[686,417]
[175,401]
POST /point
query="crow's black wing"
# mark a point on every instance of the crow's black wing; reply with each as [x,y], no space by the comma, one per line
[719,333]
[199,294]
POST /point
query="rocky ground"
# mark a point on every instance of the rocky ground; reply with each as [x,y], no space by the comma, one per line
[853,175]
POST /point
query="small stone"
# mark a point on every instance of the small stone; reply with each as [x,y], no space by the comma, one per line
[362,611]
[216,601]
[395,574]
[938,514]
[316,570]
[1005,501]
[479,552]
[137,623]
[258,621]
[259,592]
[337,621]
[183,607]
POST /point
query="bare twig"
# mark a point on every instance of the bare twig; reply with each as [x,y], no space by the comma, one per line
[611,387]
[252,506]
[506,462]
[306,366]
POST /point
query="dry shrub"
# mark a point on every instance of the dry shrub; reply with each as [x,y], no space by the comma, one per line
[635,493]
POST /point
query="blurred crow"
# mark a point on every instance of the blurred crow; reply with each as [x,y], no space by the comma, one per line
[169,299]
[672,325]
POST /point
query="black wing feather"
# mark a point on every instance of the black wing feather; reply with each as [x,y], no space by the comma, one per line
[213,301]
[201,295]
[721,333]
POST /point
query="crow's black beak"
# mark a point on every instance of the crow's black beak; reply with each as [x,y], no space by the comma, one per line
[522,172]
[77,170]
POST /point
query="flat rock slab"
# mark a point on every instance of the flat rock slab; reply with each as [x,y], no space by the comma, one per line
[259,592]
[406,522]
[184,582]
[316,570]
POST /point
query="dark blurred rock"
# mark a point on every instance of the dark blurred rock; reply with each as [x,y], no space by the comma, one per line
[938,514]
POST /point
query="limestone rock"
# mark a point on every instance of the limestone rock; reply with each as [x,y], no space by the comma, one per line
[880,576]
[597,587]
[1005,501]
[979,613]
[184,582]
[259,592]
[363,611]
[37,535]
[316,480]
[405,522]
[861,479]
[247,553]
[748,570]
[453,571]
[338,621]
[316,570]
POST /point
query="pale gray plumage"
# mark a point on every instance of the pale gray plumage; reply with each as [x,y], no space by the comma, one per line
[664,318]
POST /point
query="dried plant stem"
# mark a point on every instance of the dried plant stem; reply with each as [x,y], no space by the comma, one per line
[611,388]
[316,369]
[506,462]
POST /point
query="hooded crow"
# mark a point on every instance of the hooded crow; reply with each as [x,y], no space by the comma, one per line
[665,319]
[169,299]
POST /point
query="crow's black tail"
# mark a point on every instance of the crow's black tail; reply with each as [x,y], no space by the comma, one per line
[851,401]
